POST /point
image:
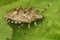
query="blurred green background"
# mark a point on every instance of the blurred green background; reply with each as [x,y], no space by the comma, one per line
[49,28]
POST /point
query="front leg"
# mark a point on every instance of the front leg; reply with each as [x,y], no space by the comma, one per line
[35,23]
[28,25]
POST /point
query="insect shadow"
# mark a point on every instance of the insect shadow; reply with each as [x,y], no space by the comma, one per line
[15,26]
[18,33]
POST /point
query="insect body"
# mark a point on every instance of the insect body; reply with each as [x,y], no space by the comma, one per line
[23,15]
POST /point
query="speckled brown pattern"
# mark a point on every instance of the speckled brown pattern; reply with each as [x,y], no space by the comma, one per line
[23,15]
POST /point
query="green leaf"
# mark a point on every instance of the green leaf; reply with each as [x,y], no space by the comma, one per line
[47,29]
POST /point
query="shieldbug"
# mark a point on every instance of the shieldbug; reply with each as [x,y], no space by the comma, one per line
[23,15]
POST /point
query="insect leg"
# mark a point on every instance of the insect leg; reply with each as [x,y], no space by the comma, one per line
[35,23]
[19,26]
[29,26]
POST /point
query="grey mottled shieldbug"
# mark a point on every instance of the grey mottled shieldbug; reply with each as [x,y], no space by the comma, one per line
[23,15]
